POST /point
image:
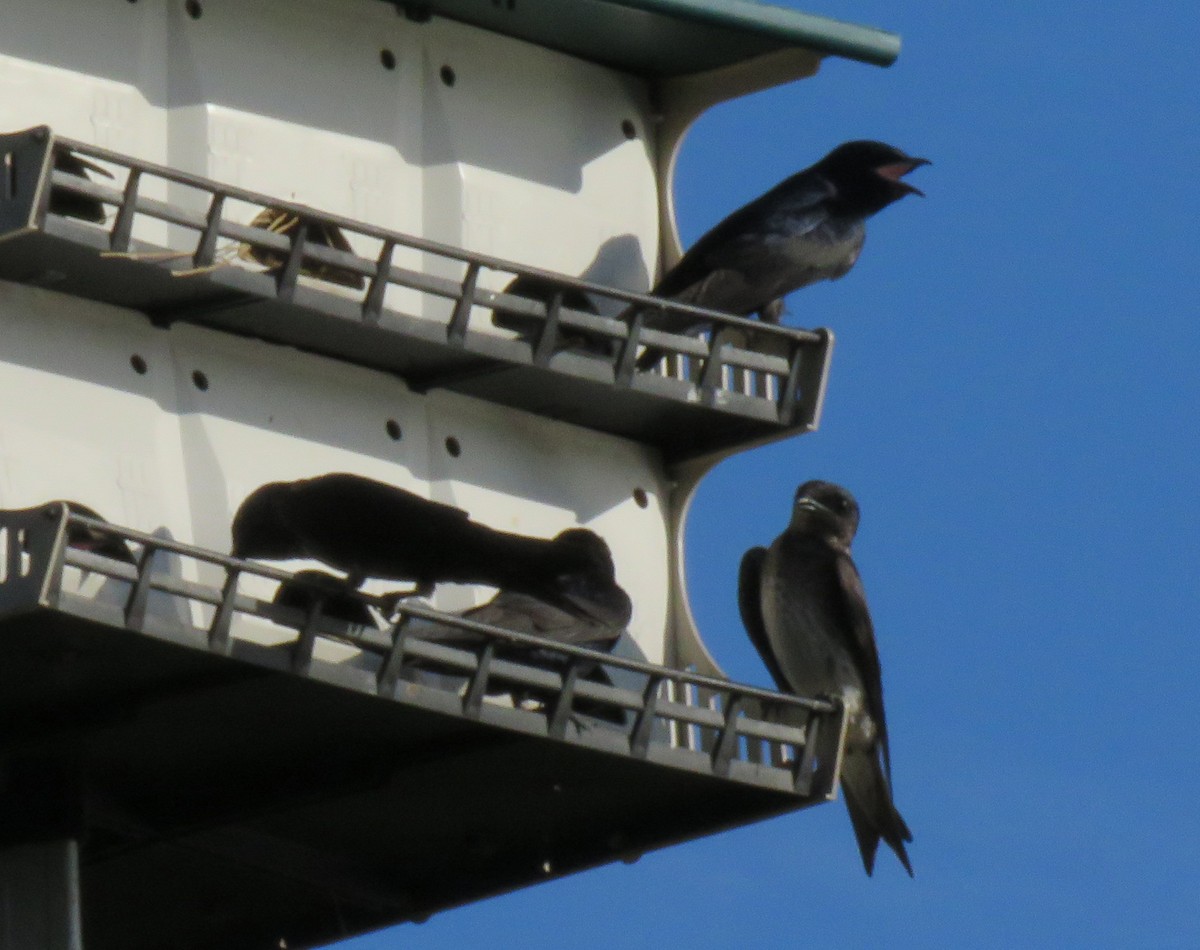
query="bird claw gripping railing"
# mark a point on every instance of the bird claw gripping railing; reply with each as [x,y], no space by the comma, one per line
[660,715]
[329,278]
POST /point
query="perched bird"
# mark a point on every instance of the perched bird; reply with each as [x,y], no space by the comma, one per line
[354,524]
[803,605]
[68,203]
[318,234]
[543,291]
[369,529]
[84,538]
[595,619]
[808,228]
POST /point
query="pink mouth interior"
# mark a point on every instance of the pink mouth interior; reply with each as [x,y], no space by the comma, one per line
[895,172]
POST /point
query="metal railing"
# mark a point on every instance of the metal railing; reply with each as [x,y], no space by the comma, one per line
[671,717]
[737,365]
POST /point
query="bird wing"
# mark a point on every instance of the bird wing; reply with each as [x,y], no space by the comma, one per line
[862,646]
[525,614]
[603,604]
[750,606]
[794,207]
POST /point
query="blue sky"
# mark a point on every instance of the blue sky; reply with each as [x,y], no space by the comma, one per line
[1014,401]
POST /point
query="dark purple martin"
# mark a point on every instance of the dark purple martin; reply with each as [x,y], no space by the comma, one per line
[370,529]
[357,525]
[808,228]
[803,604]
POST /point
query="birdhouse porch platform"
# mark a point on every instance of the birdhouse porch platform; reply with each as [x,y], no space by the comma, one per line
[304,780]
[184,248]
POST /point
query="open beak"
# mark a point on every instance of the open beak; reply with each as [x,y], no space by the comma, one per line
[896,171]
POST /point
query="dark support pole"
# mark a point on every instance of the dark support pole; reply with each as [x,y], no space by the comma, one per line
[41,820]
[39,894]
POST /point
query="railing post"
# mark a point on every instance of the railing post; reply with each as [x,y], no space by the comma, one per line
[302,651]
[549,332]
[393,663]
[218,631]
[289,274]
[456,331]
[372,307]
[119,239]
[473,701]
[135,606]
[643,727]
[723,752]
[565,703]
[206,247]
[627,362]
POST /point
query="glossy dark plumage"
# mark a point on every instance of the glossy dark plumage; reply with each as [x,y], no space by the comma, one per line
[810,227]
[357,525]
[804,607]
[369,529]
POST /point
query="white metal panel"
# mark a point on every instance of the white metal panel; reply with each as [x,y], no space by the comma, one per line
[79,422]
[529,158]
[523,473]
[458,134]
[92,71]
[273,413]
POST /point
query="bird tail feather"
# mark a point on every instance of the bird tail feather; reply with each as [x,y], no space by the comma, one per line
[872,812]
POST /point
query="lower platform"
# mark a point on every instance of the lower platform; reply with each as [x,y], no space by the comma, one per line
[230,793]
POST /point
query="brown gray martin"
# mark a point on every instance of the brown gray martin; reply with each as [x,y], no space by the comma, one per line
[596,619]
[810,227]
[803,604]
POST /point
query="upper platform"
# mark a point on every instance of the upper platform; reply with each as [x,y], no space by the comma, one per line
[236,260]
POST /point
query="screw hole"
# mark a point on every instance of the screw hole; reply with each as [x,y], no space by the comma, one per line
[393,430]
[448,76]
[629,129]
[642,499]
[453,447]
[138,364]
[388,58]
[194,9]
[200,381]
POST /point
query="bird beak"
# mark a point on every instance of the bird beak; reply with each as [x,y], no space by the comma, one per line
[811,504]
[896,171]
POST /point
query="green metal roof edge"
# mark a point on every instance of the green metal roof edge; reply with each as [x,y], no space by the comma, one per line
[867,44]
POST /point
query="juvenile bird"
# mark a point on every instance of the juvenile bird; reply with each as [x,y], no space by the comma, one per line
[595,619]
[810,227]
[803,605]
